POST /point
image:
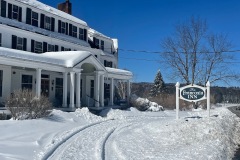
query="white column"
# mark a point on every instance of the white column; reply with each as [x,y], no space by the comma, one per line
[38,83]
[128,90]
[208,98]
[65,79]
[102,91]
[111,92]
[96,89]
[72,77]
[78,90]
[177,100]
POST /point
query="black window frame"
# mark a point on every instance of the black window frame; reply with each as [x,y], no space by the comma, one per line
[27,81]
[36,45]
[74,31]
[47,24]
[20,43]
[102,45]
[34,19]
[81,34]
[92,89]
[63,27]
[50,48]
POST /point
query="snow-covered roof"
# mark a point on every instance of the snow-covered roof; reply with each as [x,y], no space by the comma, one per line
[66,58]
[44,7]
[118,71]
[96,33]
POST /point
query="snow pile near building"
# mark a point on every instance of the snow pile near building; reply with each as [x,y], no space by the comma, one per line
[143,104]
[85,114]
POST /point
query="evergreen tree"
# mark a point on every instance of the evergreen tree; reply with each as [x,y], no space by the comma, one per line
[158,86]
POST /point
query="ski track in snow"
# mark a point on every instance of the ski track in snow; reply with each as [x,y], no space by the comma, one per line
[94,141]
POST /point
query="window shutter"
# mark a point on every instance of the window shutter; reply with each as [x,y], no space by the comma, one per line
[59,26]
[20,14]
[94,41]
[42,22]
[52,24]
[62,48]
[10,10]
[105,63]
[85,35]
[32,45]
[14,42]
[25,44]
[45,47]
[110,64]
[66,28]
[3,8]
[70,29]
[29,16]
[56,47]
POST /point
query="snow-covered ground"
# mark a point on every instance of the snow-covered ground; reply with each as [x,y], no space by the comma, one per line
[122,135]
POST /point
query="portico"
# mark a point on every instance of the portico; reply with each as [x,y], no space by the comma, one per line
[74,78]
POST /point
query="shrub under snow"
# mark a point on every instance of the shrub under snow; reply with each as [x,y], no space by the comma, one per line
[143,104]
[24,105]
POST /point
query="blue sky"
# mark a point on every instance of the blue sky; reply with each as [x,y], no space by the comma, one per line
[142,24]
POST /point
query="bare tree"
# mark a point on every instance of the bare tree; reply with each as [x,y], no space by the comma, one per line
[195,55]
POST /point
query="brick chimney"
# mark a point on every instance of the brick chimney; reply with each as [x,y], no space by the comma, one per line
[65,7]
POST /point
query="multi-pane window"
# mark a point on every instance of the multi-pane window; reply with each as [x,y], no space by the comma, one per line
[59,89]
[51,48]
[108,64]
[27,82]
[74,31]
[67,49]
[38,47]
[35,19]
[81,34]
[1,80]
[92,89]
[102,45]
[15,12]
[0,39]
[63,28]
[47,23]
[19,43]
[96,42]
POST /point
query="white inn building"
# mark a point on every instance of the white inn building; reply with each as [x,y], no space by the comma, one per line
[57,55]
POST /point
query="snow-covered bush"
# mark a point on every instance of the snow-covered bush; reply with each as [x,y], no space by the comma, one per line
[24,105]
[143,104]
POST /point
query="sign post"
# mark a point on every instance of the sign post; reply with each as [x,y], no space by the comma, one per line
[177,100]
[192,93]
[208,98]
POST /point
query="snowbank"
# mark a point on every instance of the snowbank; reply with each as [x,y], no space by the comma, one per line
[143,104]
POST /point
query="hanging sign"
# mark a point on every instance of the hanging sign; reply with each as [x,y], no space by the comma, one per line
[192,93]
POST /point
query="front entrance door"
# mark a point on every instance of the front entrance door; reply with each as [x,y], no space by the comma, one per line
[45,85]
